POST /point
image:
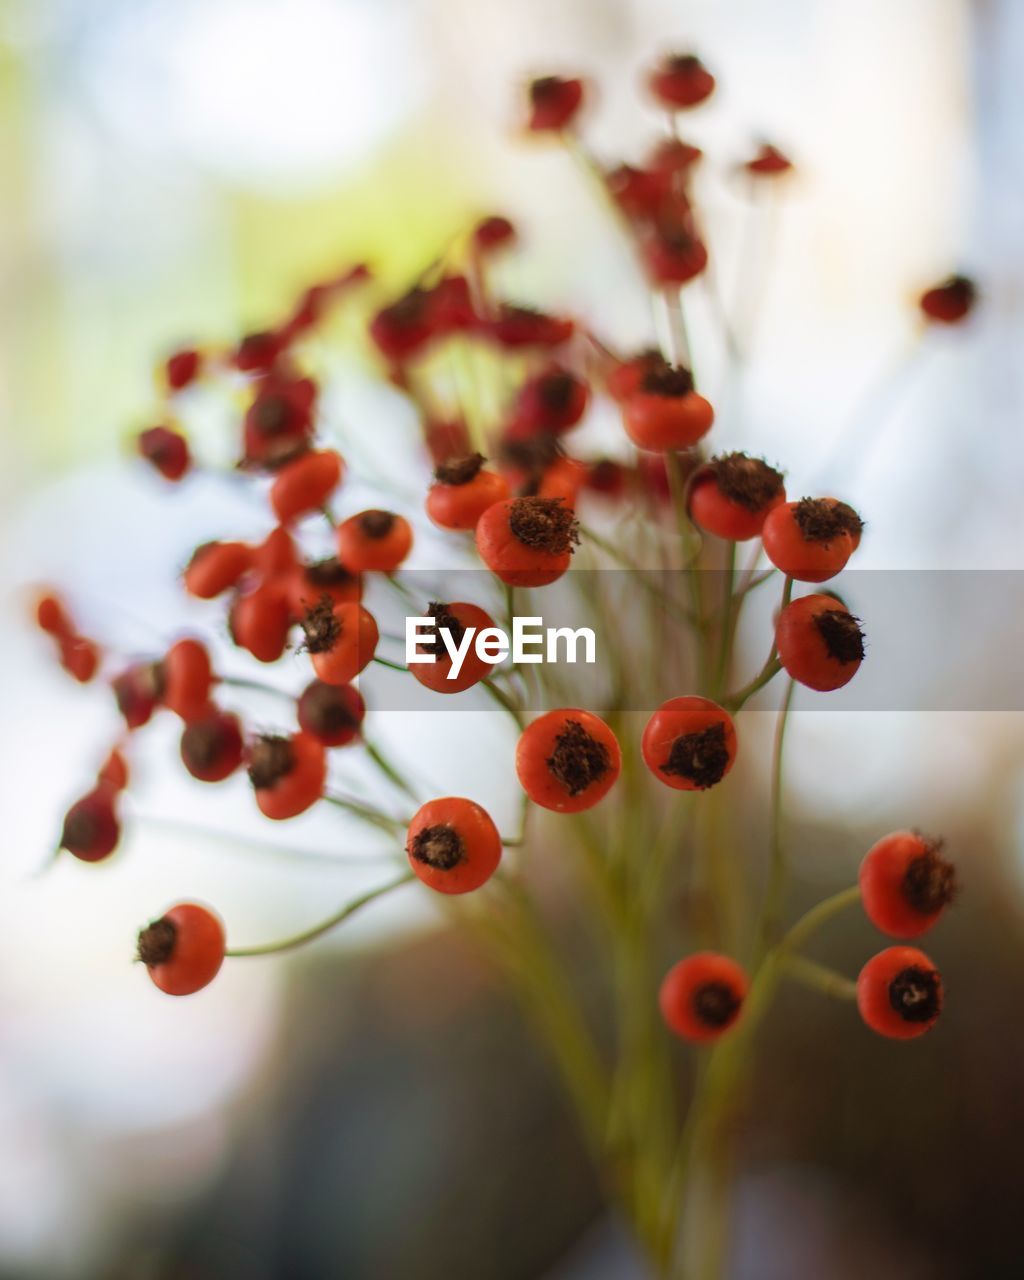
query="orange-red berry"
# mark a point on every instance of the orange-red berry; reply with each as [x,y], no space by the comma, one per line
[166,450]
[211,745]
[567,760]
[341,639]
[820,644]
[305,484]
[462,491]
[681,80]
[183,950]
[215,567]
[553,103]
[689,743]
[453,845]
[949,302]
[665,412]
[287,774]
[186,676]
[374,540]
[899,993]
[811,540]
[91,827]
[731,496]
[331,713]
[527,542]
[905,884]
[702,996]
[455,618]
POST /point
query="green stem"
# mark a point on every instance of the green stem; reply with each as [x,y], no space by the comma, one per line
[325,926]
[389,770]
[391,666]
[508,703]
[777,852]
[819,977]
[360,810]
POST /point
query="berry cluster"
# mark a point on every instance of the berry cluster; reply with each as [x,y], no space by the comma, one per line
[528,512]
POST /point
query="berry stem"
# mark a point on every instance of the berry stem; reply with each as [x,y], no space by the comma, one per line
[359,810]
[325,926]
[819,977]
[777,854]
[390,771]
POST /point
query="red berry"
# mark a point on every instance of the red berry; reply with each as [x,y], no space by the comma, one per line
[665,412]
[607,477]
[374,540]
[951,301]
[462,491]
[454,618]
[52,617]
[167,450]
[80,657]
[899,993]
[260,621]
[332,714]
[211,745]
[811,540]
[341,639]
[702,996]
[182,368]
[287,774]
[639,193]
[672,254]
[567,760]
[113,772]
[554,103]
[551,401]
[453,846]
[732,495]
[258,352]
[514,327]
[689,743]
[183,950]
[674,156]
[905,884]
[527,542]
[305,484]
[276,556]
[279,421]
[768,161]
[137,690]
[404,328]
[820,644]
[186,679]
[681,80]
[216,566]
[91,828]
[493,233]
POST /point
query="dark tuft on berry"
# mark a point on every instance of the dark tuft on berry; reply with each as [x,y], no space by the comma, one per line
[321,626]
[702,756]
[329,572]
[749,482]
[841,632]
[444,620]
[460,470]
[929,883]
[156,942]
[544,524]
[821,519]
[440,847]
[578,759]
[376,524]
[916,994]
[671,380]
[271,758]
[715,1004]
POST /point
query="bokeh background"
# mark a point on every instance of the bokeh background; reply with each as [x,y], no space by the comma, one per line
[176,170]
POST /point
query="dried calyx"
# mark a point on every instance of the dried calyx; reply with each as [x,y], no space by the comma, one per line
[749,482]
[376,524]
[715,1004]
[439,846]
[840,630]
[444,620]
[916,994]
[460,470]
[702,757]
[329,572]
[544,524]
[156,942]
[822,519]
[668,380]
[321,626]
[271,758]
[929,883]
[578,759]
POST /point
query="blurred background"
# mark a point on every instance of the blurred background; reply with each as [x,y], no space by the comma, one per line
[175,171]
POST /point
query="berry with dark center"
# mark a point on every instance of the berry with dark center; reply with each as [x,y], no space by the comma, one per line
[906,884]
[567,760]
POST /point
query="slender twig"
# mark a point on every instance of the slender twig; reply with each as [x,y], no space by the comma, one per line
[819,977]
[325,926]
